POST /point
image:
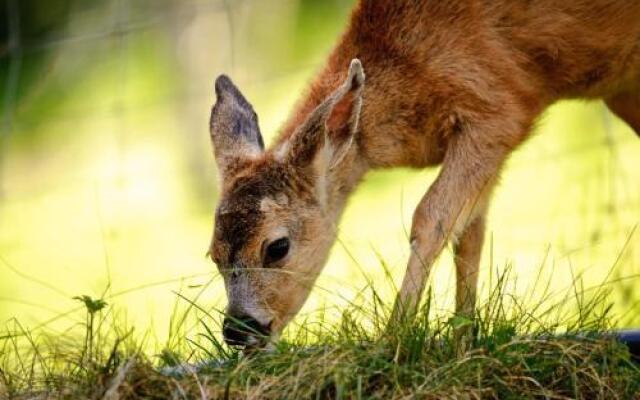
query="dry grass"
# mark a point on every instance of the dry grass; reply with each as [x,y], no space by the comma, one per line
[555,351]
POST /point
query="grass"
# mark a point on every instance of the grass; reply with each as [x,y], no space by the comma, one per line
[555,350]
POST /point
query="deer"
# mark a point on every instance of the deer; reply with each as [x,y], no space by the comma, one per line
[457,83]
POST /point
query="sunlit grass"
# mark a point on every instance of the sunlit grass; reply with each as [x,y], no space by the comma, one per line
[560,348]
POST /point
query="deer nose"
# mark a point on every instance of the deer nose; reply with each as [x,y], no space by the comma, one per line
[243,330]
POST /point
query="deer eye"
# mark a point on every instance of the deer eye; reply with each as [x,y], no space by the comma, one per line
[276,250]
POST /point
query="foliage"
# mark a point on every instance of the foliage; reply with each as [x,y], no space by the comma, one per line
[545,352]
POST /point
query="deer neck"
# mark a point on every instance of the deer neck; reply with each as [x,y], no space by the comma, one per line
[340,182]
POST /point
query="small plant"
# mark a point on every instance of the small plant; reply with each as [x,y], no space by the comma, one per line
[92,306]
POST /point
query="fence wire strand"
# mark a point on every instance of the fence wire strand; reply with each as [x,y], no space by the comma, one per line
[14,50]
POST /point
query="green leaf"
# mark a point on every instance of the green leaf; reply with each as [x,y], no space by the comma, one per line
[92,305]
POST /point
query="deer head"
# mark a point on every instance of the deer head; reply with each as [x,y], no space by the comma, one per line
[275,220]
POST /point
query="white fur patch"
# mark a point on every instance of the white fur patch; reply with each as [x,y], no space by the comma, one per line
[270,204]
[281,151]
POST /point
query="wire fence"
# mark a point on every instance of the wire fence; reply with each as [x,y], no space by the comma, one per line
[118,26]
[171,21]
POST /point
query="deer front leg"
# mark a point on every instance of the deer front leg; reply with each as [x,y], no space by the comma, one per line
[453,206]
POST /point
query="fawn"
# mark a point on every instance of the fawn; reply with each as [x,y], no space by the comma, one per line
[458,83]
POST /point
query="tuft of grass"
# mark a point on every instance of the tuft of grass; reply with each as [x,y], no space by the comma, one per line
[555,350]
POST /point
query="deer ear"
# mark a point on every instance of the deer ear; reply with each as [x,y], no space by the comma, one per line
[235,133]
[343,116]
[327,134]
[344,111]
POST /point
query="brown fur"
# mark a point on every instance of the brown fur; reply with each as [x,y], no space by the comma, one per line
[458,83]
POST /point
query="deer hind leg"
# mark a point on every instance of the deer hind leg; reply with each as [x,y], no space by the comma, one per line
[627,107]
[467,259]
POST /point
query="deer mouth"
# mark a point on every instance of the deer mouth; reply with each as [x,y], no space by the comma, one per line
[255,342]
[246,333]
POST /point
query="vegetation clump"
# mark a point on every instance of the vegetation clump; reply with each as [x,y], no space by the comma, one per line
[546,352]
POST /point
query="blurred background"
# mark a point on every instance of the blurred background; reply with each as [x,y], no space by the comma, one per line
[107,183]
